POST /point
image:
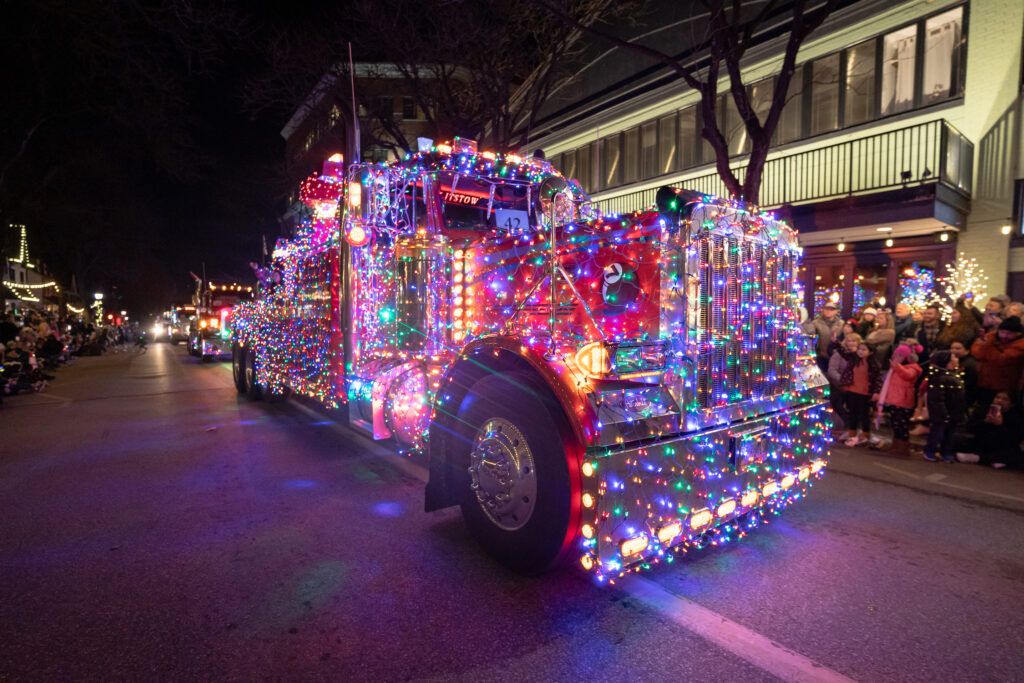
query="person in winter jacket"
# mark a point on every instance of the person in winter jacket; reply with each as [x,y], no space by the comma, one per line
[970,365]
[903,321]
[997,436]
[826,328]
[899,397]
[1001,357]
[962,327]
[857,375]
[867,321]
[930,329]
[881,338]
[944,384]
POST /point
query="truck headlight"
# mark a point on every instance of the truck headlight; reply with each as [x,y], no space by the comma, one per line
[594,360]
[599,360]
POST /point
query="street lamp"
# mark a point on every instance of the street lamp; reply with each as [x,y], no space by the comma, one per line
[98,296]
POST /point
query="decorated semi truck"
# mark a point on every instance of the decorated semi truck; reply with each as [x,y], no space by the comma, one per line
[209,333]
[607,389]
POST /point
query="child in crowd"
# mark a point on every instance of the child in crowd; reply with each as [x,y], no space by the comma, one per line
[944,384]
[899,397]
[854,372]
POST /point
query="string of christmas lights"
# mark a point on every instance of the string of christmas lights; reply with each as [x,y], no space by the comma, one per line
[651,324]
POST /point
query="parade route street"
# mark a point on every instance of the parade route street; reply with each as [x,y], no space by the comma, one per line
[158,526]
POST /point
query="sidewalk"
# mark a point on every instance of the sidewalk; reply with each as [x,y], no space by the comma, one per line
[975,483]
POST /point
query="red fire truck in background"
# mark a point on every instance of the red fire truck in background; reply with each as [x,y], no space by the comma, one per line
[609,388]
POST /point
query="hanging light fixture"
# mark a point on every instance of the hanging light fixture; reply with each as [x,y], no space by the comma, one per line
[1007,228]
[842,245]
[889,242]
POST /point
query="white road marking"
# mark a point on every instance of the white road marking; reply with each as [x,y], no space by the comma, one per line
[937,479]
[748,645]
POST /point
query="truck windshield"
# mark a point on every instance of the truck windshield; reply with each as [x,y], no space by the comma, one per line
[474,204]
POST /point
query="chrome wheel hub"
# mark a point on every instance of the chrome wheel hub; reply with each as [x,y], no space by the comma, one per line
[502,474]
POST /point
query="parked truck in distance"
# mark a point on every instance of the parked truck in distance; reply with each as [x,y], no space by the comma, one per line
[609,389]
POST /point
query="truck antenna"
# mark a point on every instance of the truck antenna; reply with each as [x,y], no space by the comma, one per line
[355,110]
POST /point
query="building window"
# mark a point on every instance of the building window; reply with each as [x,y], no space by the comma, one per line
[898,58]
[584,166]
[943,58]
[825,94]
[649,150]
[829,286]
[761,94]
[691,144]
[860,84]
[667,144]
[568,164]
[409,109]
[790,126]
[631,156]
[611,167]
[730,124]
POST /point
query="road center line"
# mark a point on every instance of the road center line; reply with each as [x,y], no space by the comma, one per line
[748,645]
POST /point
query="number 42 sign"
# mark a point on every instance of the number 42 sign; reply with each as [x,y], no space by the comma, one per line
[512,220]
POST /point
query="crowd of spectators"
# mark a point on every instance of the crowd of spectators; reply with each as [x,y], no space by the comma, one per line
[34,345]
[954,382]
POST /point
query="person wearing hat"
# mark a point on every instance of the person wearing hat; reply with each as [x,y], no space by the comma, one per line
[826,327]
[1000,354]
[867,321]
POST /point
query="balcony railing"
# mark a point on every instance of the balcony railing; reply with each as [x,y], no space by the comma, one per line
[931,152]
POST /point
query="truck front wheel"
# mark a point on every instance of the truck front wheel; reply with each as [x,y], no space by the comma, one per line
[516,493]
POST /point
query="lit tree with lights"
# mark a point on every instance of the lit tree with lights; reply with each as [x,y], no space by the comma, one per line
[917,286]
[965,277]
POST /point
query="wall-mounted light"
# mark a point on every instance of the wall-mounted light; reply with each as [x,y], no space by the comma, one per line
[944,236]
[889,242]
[1006,229]
[842,245]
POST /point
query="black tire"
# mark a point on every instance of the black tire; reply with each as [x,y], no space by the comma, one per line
[540,543]
[254,388]
[238,368]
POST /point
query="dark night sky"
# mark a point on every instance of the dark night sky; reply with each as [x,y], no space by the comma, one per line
[158,212]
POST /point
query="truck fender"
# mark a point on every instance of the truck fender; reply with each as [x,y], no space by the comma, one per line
[500,355]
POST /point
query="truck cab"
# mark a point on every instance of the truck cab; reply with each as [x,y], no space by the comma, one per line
[612,389]
[209,335]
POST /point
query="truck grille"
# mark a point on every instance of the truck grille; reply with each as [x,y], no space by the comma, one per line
[746,318]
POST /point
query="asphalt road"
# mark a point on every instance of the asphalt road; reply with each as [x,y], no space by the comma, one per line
[157,526]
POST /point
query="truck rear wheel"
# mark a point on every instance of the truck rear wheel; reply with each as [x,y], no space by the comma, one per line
[515,488]
[238,354]
[252,386]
